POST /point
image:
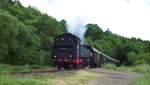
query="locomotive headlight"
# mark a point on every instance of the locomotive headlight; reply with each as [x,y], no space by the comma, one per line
[70,56]
[55,56]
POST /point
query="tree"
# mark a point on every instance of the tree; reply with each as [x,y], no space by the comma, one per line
[132,58]
[64,25]
[8,33]
[19,45]
[94,31]
[47,28]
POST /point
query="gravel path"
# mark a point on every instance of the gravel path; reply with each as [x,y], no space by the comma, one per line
[106,77]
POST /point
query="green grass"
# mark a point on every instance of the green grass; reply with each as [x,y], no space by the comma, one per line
[143,69]
[80,78]
[26,68]
[144,80]
[8,80]
[75,78]
[110,66]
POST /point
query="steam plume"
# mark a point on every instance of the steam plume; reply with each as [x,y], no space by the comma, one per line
[77,27]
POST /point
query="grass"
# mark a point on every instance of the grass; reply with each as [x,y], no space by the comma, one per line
[144,80]
[75,78]
[8,80]
[80,78]
[110,66]
[143,69]
[26,68]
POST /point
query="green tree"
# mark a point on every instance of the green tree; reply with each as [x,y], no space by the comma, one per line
[94,31]
[47,29]
[8,33]
[132,58]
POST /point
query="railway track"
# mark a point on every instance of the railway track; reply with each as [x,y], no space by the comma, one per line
[37,72]
[45,72]
[29,72]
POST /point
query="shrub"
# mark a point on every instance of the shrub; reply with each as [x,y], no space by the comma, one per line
[110,66]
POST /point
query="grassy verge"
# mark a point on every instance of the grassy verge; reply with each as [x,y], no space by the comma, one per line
[80,78]
[75,78]
[26,68]
[144,80]
[9,80]
[143,69]
[110,66]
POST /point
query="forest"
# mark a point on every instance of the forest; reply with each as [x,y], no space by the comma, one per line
[26,34]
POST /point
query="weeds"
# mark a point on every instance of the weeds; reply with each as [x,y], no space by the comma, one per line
[26,68]
[110,66]
[76,78]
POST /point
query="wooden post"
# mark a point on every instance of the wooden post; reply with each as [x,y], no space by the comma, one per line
[42,57]
[97,60]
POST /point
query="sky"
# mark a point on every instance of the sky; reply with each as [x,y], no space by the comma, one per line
[129,18]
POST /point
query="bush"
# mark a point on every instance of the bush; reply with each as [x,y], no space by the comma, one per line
[110,66]
[144,68]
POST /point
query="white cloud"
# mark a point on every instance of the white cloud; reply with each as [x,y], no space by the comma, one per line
[129,18]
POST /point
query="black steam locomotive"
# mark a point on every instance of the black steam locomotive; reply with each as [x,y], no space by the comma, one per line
[69,53]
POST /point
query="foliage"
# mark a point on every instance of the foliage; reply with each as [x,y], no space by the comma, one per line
[94,29]
[26,34]
[132,56]
[110,66]
[129,51]
[26,37]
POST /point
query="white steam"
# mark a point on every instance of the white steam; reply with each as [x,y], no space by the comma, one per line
[77,27]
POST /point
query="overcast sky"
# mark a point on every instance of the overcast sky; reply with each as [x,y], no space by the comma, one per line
[129,18]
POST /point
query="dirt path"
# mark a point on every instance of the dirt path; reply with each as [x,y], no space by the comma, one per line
[106,77]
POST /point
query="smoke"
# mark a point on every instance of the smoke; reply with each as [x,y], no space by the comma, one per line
[77,27]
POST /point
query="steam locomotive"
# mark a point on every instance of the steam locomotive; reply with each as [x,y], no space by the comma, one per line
[69,53]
